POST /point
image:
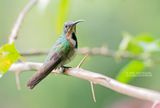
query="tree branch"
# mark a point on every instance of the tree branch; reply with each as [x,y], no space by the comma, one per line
[18,23]
[101,51]
[97,78]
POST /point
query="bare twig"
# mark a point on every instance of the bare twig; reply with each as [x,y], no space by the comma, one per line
[102,51]
[18,23]
[17,80]
[97,78]
[82,61]
[34,53]
[93,92]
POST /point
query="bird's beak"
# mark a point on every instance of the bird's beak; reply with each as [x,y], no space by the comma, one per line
[73,26]
[78,21]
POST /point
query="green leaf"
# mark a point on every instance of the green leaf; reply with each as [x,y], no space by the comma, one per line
[134,47]
[140,43]
[62,15]
[125,41]
[130,71]
[144,38]
[8,55]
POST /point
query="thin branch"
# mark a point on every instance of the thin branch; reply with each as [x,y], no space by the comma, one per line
[17,80]
[34,53]
[102,51]
[18,23]
[97,78]
[92,91]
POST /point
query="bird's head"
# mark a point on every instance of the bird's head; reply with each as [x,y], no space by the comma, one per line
[70,27]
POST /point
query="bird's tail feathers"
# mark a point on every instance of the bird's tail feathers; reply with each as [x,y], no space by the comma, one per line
[42,73]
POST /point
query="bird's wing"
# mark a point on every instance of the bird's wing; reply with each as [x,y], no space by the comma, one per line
[44,70]
[54,59]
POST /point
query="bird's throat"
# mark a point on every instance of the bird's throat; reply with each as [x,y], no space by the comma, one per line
[71,37]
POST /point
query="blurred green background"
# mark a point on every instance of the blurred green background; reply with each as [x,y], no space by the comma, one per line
[105,21]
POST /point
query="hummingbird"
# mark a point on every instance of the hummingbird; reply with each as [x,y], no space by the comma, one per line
[61,52]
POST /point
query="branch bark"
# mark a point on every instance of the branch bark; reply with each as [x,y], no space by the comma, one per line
[137,92]
[14,33]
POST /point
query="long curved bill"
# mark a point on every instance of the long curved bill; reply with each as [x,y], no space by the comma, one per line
[73,25]
[78,21]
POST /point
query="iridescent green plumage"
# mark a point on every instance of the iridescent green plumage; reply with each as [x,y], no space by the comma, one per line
[61,47]
[60,53]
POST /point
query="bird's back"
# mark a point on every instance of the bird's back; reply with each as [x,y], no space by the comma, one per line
[61,48]
[58,55]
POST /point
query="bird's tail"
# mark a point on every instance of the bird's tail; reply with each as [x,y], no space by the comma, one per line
[37,77]
[42,73]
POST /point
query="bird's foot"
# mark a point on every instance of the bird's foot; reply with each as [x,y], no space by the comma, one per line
[63,68]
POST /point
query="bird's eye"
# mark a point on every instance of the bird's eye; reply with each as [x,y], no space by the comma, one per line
[66,26]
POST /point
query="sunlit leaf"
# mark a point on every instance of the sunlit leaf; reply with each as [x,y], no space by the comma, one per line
[150,47]
[125,41]
[8,55]
[62,15]
[140,44]
[154,50]
[144,38]
[134,47]
[130,71]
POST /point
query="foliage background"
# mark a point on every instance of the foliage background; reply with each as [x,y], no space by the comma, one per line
[105,21]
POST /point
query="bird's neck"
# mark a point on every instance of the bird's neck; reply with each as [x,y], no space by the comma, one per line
[72,40]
